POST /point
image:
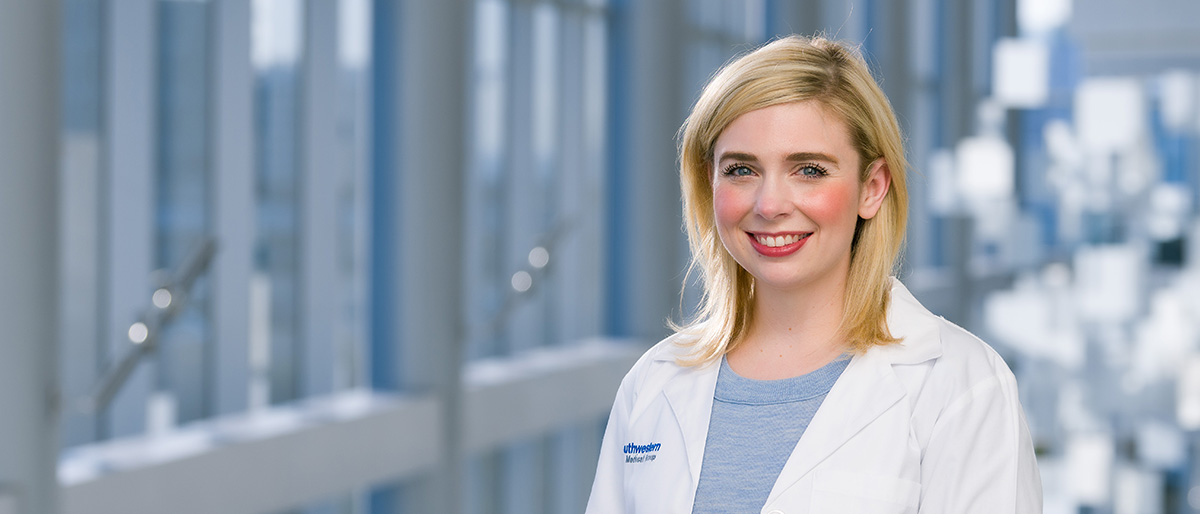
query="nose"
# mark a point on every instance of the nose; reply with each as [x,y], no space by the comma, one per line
[772,199]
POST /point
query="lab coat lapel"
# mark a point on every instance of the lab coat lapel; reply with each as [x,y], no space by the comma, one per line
[867,388]
[870,387]
[690,395]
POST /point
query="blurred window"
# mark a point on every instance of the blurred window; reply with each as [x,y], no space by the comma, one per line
[143,189]
[534,211]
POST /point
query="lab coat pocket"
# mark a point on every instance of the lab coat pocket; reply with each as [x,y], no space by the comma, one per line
[849,492]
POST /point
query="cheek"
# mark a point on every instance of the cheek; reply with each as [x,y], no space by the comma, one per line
[729,206]
[832,205]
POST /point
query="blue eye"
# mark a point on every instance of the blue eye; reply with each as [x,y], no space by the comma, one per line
[738,170]
[813,170]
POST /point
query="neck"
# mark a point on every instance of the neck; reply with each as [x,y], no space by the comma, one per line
[809,318]
[793,331]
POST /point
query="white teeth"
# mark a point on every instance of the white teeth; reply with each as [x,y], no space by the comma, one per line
[777,241]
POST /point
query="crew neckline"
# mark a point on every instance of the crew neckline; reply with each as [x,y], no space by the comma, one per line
[734,388]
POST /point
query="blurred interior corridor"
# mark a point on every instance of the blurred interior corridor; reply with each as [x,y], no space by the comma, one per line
[394,256]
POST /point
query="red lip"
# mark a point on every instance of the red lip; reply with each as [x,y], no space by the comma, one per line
[776,251]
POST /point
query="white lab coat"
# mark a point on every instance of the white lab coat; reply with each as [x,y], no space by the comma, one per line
[930,425]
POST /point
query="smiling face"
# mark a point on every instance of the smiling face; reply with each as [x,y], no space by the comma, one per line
[787,195]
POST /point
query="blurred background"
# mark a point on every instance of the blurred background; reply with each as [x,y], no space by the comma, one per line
[394,256]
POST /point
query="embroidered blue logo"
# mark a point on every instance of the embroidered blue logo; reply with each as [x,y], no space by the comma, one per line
[635,453]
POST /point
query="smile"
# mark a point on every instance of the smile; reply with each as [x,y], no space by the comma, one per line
[778,245]
[778,241]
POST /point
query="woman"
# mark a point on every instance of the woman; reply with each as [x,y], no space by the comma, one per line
[811,381]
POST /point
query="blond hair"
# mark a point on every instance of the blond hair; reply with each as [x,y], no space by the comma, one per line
[792,69]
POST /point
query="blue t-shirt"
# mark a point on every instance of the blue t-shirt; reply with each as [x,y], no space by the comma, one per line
[755,425]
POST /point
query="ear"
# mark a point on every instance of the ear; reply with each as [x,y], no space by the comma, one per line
[874,189]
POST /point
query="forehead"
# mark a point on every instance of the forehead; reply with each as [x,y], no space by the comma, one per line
[783,129]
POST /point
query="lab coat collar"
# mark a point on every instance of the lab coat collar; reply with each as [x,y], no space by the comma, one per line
[917,328]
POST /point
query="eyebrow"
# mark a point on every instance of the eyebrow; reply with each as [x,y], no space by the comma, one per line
[792,157]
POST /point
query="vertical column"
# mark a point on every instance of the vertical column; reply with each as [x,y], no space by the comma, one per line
[894,55]
[968,57]
[574,263]
[233,202]
[890,26]
[987,21]
[959,233]
[595,152]
[424,59]
[385,284]
[647,255]
[128,238]
[29,86]
[957,80]
[921,124]
[318,240]
[1015,119]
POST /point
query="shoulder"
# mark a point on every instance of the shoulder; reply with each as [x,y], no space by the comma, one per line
[965,415]
[953,379]
[938,361]
[967,360]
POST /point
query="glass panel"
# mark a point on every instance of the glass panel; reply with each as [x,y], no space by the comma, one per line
[350,322]
[545,68]
[486,280]
[275,337]
[533,204]
[184,190]
[80,284]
